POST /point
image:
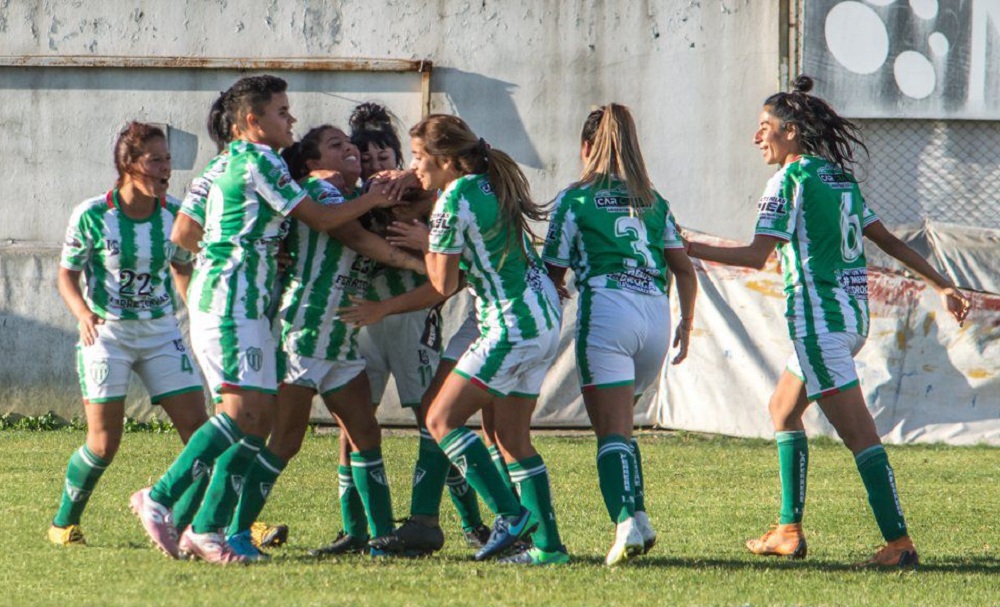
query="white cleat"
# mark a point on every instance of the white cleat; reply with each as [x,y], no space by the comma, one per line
[209,547]
[628,543]
[646,529]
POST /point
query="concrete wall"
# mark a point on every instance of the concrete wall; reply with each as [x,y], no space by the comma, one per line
[523,73]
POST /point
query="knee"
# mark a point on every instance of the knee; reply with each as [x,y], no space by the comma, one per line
[437,425]
[104,445]
[783,417]
[285,445]
[515,445]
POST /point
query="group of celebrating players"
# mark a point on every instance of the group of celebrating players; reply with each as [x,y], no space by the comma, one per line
[331,235]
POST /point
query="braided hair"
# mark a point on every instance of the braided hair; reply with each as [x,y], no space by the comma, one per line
[822,132]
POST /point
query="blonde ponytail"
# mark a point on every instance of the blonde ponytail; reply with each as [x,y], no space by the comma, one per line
[615,153]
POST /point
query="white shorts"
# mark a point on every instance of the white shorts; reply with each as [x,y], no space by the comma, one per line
[621,338]
[153,349]
[235,353]
[462,339]
[504,368]
[323,376]
[825,363]
[393,346]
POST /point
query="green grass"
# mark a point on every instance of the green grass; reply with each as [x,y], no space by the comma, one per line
[705,496]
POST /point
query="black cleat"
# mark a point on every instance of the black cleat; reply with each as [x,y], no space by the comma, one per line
[411,539]
[343,544]
[477,537]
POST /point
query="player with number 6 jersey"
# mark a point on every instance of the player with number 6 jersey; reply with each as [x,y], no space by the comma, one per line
[119,242]
[813,213]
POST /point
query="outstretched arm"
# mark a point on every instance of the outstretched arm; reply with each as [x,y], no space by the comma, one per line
[956,303]
[362,312]
[356,237]
[753,255]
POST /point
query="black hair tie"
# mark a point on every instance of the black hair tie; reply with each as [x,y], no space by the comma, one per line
[484,149]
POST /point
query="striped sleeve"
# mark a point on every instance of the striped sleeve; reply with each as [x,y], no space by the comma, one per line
[671,233]
[868,216]
[562,231]
[274,183]
[77,245]
[447,234]
[777,207]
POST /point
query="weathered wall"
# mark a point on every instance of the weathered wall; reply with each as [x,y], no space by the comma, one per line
[523,73]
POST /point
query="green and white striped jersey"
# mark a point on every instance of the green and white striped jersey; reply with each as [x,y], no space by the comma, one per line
[595,232]
[816,208]
[125,262]
[194,201]
[324,276]
[512,303]
[244,223]
[388,282]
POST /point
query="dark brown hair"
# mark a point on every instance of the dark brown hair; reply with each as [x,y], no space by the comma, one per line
[131,144]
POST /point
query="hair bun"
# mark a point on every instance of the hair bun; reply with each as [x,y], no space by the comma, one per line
[802,84]
[370,116]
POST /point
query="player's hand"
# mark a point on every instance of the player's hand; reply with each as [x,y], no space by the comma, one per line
[284,260]
[88,327]
[563,292]
[682,336]
[413,235]
[958,305]
[361,312]
[395,184]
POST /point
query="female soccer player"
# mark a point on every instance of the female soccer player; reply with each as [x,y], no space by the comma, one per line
[813,212]
[229,292]
[395,345]
[619,237]
[120,242]
[480,221]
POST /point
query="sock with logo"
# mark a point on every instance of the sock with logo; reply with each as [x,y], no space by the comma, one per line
[468,453]
[638,481]
[352,510]
[368,472]
[257,485]
[532,480]
[873,464]
[187,506]
[614,475]
[428,477]
[793,464]
[464,499]
[226,485]
[82,473]
[207,443]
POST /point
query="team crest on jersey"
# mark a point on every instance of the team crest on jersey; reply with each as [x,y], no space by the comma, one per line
[486,187]
[771,207]
[99,370]
[255,358]
[418,475]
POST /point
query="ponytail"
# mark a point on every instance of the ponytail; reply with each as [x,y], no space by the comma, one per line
[615,152]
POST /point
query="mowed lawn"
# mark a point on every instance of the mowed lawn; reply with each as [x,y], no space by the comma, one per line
[705,495]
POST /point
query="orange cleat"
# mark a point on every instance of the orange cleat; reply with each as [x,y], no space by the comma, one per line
[897,553]
[780,540]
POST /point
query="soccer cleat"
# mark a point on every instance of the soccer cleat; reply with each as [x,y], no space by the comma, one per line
[537,556]
[342,544]
[70,535]
[477,537]
[505,532]
[628,543]
[646,529]
[268,536]
[209,547]
[780,540]
[897,553]
[157,521]
[412,538]
[242,544]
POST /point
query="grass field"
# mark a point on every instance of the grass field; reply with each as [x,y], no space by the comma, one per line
[704,495]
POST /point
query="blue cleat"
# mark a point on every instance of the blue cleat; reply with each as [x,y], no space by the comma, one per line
[242,544]
[537,556]
[506,532]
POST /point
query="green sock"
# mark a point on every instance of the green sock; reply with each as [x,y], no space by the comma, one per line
[189,502]
[82,473]
[352,510]
[257,485]
[470,456]
[464,499]
[873,464]
[373,485]
[208,442]
[226,485]
[532,479]
[428,477]
[501,465]
[793,464]
[638,481]
[614,474]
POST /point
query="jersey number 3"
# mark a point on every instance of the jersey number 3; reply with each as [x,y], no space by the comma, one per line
[633,229]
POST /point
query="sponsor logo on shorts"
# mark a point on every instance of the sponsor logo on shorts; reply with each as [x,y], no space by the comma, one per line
[99,370]
[179,345]
[255,358]
[771,207]
[639,281]
[424,357]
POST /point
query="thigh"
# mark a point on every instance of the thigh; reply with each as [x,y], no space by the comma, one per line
[186,410]
[291,419]
[252,410]
[456,401]
[351,404]
[788,403]
[105,424]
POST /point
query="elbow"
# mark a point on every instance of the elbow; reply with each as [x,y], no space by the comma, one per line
[444,287]
[759,261]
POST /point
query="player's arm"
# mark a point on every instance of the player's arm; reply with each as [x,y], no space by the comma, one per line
[363,312]
[186,233]
[443,272]
[181,273]
[68,283]
[956,303]
[323,218]
[753,255]
[357,238]
[687,291]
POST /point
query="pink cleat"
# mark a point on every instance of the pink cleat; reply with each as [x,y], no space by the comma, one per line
[209,547]
[157,521]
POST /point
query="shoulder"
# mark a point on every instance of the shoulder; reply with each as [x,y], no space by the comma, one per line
[171,205]
[92,207]
[323,191]
[473,184]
